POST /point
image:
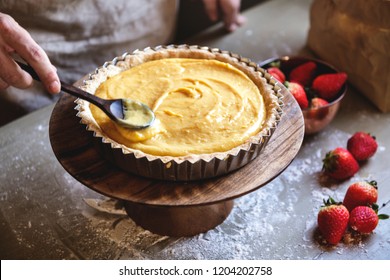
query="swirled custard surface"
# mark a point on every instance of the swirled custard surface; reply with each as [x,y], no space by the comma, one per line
[201,106]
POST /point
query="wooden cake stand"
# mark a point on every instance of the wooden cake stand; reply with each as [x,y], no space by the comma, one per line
[171,208]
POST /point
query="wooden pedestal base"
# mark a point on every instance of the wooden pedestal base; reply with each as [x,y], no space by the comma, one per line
[179,220]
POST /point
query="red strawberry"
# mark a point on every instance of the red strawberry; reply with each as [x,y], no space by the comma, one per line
[299,94]
[332,221]
[318,108]
[361,194]
[327,86]
[364,219]
[318,102]
[340,164]
[277,73]
[362,145]
[303,74]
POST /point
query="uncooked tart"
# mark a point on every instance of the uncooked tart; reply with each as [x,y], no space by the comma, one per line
[215,111]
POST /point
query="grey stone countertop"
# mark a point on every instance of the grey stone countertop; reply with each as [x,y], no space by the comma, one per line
[46,214]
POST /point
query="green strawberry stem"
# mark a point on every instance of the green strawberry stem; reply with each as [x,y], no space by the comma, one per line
[328,161]
[330,201]
[275,64]
[373,183]
[383,216]
[375,207]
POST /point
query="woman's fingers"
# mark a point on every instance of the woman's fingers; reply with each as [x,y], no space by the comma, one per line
[15,38]
[230,12]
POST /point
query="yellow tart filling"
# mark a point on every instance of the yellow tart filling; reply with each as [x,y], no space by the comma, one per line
[201,106]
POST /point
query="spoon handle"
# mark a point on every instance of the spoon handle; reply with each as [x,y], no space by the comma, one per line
[75,91]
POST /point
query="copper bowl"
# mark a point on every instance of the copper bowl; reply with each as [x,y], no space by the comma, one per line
[316,119]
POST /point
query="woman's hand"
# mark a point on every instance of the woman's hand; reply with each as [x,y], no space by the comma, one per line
[230,10]
[16,40]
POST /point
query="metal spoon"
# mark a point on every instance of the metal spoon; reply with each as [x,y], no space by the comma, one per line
[126,112]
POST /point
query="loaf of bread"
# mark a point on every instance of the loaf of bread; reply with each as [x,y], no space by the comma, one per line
[354,36]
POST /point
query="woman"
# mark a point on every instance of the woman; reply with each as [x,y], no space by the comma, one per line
[72,38]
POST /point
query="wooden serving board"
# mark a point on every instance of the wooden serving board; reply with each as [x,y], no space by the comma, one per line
[76,151]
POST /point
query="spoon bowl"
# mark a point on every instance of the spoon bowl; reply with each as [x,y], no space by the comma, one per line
[126,112]
[131,114]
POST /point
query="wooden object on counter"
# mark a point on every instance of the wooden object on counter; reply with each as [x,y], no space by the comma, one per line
[172,208]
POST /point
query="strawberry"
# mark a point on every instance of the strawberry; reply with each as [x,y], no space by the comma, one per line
[318,102]
[303,74]
[299,94]
[340,164]
[362,145]
[332,221]
[364,219]
[327,86]
[277,74]
[361,194]
[318,108]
